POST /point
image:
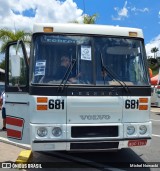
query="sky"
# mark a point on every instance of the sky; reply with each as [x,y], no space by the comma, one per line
[144,14]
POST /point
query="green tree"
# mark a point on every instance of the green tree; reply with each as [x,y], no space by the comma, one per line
[7,35]
[88,19]
[155,50]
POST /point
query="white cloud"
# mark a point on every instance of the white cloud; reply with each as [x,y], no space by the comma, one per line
[134,9]
[12,12]
[122,13]
[153,43]
[4,9]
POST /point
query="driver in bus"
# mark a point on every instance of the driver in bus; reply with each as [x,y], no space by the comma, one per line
[62,69]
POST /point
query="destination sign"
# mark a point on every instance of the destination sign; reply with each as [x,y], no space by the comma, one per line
[51,39]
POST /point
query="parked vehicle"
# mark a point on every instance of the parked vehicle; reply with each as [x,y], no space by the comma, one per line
[105,107]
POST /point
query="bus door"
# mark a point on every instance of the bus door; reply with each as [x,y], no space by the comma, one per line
[16,89]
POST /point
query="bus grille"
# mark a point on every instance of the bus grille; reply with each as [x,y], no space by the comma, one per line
[95,145]
[94,131]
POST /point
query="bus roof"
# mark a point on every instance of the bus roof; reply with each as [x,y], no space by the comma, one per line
[87,29]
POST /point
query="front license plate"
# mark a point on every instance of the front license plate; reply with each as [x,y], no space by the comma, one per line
[132,143]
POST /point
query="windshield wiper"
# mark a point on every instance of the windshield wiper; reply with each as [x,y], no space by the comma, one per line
[67,74]
[112,75]
[103,68]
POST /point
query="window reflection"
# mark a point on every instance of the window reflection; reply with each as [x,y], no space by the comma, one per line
[78,60]
[20,69]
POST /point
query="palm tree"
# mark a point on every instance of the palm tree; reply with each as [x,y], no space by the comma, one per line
[88,19]
[154,50]
[7,35]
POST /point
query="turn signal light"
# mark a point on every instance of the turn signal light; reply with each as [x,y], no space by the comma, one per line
[42,99]
[143,107]
[41,107]
[143,100]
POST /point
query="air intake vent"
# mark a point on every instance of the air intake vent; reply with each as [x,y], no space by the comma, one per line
[94,131]
[97,146]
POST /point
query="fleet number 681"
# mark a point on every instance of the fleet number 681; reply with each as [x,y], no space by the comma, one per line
[131,104]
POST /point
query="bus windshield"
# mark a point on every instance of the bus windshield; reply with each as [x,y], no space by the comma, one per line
[80,59]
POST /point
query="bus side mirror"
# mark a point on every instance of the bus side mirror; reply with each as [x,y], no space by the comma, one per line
[15,65]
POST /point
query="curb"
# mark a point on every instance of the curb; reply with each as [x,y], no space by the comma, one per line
[25,155]
[5,140]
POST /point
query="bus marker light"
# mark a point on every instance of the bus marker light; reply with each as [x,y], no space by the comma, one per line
[143,100]
[132,143]
[42,99]
[133,34]
[42,107]
[143,107]
[48,29]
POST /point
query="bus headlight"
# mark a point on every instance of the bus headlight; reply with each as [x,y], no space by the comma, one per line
[57,131]
[130,130]
[42,131]
[142,129]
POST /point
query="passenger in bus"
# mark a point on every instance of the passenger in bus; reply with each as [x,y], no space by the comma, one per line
[104,73]
[103,77]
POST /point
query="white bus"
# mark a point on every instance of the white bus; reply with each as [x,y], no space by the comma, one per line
[100,101]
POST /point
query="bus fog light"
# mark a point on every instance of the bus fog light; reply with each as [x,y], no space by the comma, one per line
[142,129]
[57,131]
[42,132]
[130,130]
